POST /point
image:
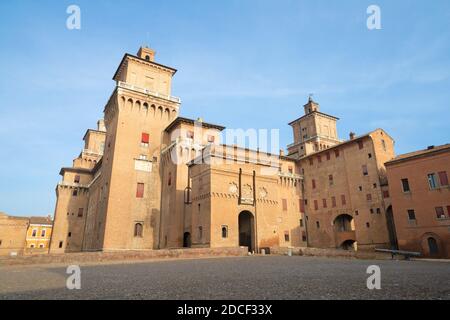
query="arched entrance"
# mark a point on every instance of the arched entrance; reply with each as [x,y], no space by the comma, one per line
[391,228]
[344,223]
[247,230]
[349,245]
[344,232]
[186,240]
[433,247]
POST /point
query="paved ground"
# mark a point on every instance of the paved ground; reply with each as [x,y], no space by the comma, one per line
[269,277]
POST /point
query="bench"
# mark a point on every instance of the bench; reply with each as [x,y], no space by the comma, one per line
[406,254]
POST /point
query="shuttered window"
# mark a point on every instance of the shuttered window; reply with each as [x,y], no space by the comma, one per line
[145,137]
[443,178]
[140,190]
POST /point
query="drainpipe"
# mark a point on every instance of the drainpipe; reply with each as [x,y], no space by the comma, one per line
[256,215]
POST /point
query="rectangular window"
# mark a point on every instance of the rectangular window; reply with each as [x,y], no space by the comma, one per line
[383,143]
[364,170]
[360,144]
[200,233]
[286,236]
[336,153]
[432,181]
[411,215]
[304,236]
[440,212]
[75,192]
[301,222]
[145,138]
[284,201]
[324,203]
[328,156]
[80,212]
[290,170]
[405,185]
[333,202]
[316,205]
[60,244]
[140,190]
[385,194]
[190,134]
[330,179]
[317,224]
[301,205]
[76,179]
[448,211]
[344,202]
[43,233]
[443,178]
[369,197]
[319,159]
[169,179]
[34,233]
[311,161]
[313,183]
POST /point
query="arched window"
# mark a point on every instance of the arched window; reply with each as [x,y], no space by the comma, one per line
[138,230]
[147,57]
[224,232]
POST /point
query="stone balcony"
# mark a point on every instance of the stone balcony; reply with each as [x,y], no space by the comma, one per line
[128,86]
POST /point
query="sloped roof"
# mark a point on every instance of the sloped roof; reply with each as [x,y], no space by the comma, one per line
[420,153]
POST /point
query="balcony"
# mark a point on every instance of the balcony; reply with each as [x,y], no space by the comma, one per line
[128,86]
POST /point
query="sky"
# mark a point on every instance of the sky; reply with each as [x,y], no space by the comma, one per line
[241,64]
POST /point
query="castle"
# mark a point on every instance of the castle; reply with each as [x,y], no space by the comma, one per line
[150,179]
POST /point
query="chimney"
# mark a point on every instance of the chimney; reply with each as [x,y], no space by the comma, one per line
[282,152]
[101,125]
[352,135]
[430,148]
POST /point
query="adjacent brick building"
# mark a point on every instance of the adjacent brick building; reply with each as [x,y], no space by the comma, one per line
[420,193]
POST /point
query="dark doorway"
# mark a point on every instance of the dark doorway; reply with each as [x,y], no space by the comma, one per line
[433,246]
[186,240]
[246,230]
[391,228]
[348,245]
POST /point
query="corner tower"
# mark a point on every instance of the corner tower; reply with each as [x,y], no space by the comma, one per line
[313,132]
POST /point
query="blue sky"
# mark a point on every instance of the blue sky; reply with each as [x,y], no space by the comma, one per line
[242,64]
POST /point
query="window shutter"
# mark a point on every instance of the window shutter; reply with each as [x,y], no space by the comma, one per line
[145,137]
[140,190]
[443,178]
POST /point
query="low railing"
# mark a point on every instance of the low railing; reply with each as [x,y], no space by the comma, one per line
[147,91]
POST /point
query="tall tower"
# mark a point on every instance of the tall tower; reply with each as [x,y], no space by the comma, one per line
[313,132]
[127,210]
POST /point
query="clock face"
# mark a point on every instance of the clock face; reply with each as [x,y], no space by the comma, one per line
[233,188]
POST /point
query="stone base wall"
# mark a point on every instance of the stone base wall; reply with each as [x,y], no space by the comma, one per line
[125,256]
